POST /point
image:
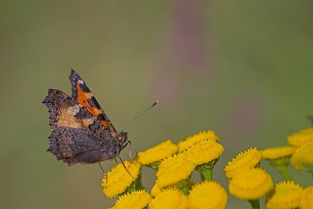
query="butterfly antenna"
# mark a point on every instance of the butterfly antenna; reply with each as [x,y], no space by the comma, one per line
[140,114]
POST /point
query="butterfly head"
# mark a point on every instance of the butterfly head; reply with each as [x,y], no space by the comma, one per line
[122,139]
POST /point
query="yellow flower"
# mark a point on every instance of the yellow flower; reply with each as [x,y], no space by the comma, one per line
[173,169]
[207,195]
[157,153]
[277,152]
[201,136]
[169,199]
[134,200]
[303,157]
[118,179]
[246,159]
[156,190]
[203,152]
[251,184]
[286,195]
[306,201]
[301,137]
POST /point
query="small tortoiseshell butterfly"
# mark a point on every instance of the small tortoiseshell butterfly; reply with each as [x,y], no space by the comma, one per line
[81,131]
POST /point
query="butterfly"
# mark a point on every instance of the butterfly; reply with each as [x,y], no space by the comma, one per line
[80,131]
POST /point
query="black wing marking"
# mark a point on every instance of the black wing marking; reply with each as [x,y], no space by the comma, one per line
[82,94]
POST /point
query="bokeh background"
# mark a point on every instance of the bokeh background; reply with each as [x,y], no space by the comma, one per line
[241,68]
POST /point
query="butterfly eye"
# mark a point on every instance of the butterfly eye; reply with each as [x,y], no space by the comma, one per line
[121,139]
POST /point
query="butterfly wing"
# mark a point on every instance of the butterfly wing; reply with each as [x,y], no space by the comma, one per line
[77,135]
[65,112]
[82,94]
[74,145]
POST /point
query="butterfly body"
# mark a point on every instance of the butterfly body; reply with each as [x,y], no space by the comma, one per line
[80,130]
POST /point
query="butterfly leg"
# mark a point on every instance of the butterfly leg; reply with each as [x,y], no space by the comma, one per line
[124,167]
[116,161]
[101,167]
[133,159]
[105,175]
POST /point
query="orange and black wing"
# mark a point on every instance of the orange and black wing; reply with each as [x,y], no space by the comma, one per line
[76,134]
[82,94]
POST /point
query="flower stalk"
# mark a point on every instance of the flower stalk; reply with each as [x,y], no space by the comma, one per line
[206,170]
[255,204]
[206,174]
[185,185]
[281,164]
[283,170]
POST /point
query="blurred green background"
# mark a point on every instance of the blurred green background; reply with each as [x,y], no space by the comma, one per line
[241,68]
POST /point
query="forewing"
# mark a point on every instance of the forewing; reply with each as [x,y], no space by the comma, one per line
[82,94]
[65,112]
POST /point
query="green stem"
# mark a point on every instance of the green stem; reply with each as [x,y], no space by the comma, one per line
[185,185]
[255,203]
[207,175]
[136,185]
[206,171]
[283,170]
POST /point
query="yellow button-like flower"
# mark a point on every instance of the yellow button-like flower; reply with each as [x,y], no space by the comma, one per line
[207,195]
[157,153]
[156,190]
[286,195]
[201,136]
[174,169]
[134,200]
[301,137]
[118,179]
[303,157]
[169,199]
[277,152]
[306,201]
[251,184]
[246,159]
[203,152]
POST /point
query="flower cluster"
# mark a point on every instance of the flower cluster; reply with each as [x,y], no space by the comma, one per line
[174,186]
[248,181]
